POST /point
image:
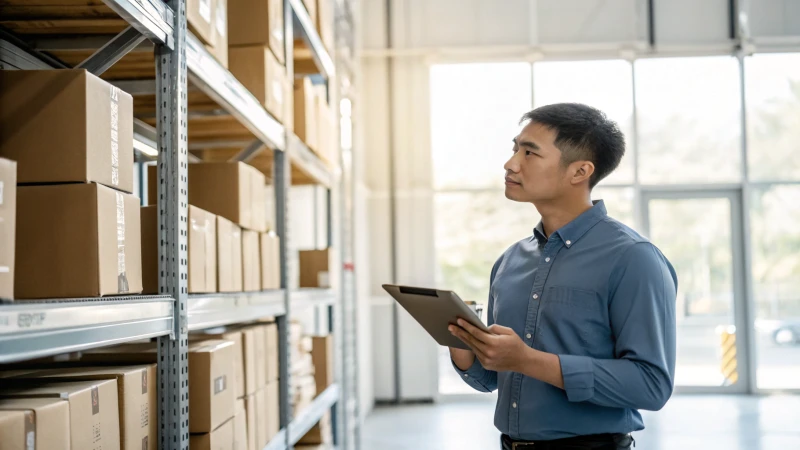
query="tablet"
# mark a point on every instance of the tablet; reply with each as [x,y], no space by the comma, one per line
[435,309]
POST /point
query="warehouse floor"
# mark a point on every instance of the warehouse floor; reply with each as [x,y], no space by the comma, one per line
[687,422]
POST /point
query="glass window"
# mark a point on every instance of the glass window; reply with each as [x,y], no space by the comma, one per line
[578,81]
[619,203]
[475,112]
[772,85]
[775,240]
[688,120]
[472,230]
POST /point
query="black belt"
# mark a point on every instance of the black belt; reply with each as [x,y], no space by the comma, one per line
[598,441]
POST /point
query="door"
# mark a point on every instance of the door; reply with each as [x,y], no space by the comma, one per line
[700,232]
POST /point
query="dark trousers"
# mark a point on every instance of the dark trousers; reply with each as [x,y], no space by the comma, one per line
[591,442]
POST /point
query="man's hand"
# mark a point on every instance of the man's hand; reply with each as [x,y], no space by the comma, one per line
[502,350]
[462,358]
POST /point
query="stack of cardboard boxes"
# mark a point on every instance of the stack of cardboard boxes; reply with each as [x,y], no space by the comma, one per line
[75,215]
[321,435]
[314,119]
[230,247]
[303,388]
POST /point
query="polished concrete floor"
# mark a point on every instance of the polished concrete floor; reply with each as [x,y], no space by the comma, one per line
[687,422]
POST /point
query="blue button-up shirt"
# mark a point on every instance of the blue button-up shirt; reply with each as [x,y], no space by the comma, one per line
[602,298]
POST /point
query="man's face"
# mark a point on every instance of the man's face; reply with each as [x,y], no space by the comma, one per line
[535,172]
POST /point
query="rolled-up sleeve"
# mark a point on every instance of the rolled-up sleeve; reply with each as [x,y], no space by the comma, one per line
[642,296]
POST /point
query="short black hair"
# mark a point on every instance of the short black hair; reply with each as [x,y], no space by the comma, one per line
[582,133]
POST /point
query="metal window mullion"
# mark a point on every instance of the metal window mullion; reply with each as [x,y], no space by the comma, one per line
[171,105]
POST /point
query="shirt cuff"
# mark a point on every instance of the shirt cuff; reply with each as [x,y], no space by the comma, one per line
[578,374]
[474,371]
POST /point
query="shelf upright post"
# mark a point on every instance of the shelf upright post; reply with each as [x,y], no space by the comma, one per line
[283,183]
[171,105]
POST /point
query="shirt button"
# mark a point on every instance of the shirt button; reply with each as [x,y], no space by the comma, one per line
[535,296]
[547,259]
[528,335]
[569,242]
[514,405]
[466,375]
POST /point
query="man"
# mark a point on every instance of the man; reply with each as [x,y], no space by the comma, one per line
[582,314]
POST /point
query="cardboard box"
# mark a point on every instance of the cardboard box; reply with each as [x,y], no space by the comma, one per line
[271,351]
[87,120]
[219,439]
[271,209]
[45,420]
[314,269]
[211,371]
[259,346]
[273,409]
[322,356]
[238,383]
[325,24]
[199,18]
[325,122]
[260,72]
[8,220]
[270,261]
[251,261]
[80,240]
[251,413]
[320,434]
[305,112]
[149,233]
[240,427]
[257,22]
[229,256]
[232,190]
[93,409]
[250,352]
[219,50]
[202,250]
[211,398]
[136,393]
[262,428]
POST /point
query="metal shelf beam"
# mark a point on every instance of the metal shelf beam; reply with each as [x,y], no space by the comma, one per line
[153,19]
[307,418]
[36,329]
[306,298]
[278,442]
[214,310]
[305,159]
[308,32]
[219,84]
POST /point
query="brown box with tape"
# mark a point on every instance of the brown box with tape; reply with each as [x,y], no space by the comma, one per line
[256,67]
[43,421]
[8,220]
[229,256]
[251,261]
[202,250]
[80,240]
[222,438]
[235,336]
[257,22]
[200,19]
[136,393]
[270,261]
[93,408]
[87,120]
[211,369]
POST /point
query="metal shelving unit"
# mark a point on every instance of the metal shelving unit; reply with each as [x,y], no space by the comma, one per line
[44,328]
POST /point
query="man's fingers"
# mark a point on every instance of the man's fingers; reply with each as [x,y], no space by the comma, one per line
[473,330]
[474,343]
[499,329]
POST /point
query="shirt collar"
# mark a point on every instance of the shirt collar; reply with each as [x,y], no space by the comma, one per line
[571,232]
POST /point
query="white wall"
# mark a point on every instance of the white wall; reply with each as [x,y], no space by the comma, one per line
[425,32]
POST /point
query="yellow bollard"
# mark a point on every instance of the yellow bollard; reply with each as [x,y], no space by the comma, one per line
[727,340]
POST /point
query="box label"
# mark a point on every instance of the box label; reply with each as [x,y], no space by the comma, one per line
[144,443]
[205,10]
[114,135]
[95,400]
[122,277]
[144,382]
[220,383]
[1,192]
[30,431]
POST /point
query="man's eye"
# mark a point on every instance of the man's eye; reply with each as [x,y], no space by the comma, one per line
[528,153]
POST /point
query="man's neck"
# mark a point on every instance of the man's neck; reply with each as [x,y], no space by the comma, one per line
[558,213]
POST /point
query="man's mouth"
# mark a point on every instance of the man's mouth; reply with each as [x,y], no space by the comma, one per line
[509,181]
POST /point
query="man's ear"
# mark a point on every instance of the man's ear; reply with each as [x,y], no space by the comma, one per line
[582,171]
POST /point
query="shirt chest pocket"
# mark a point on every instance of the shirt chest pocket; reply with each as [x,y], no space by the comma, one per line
[575,319]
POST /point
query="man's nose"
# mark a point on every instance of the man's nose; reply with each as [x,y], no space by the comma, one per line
[511,165]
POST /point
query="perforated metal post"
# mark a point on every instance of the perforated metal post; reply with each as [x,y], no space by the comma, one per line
[173,364]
